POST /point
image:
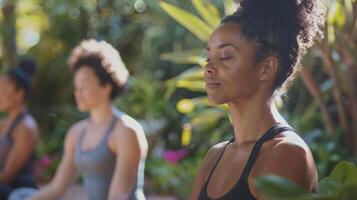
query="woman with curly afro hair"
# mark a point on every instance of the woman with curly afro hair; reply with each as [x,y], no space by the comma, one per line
[109,147]
[252,57]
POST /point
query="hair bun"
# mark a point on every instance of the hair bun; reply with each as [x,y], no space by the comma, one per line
[28,66]
[304,17]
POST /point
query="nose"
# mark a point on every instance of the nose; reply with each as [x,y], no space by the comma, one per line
[209,69]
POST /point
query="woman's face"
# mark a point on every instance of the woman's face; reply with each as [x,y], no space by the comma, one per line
[10,96]
[89,93]
[231,73]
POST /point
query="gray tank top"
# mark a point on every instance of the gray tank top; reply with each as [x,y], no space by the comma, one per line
[97,168]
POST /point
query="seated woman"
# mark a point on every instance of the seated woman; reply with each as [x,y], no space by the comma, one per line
[252,57]
[108,148]
[18,130]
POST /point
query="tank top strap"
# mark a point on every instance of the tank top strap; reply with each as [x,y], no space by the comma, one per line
[111,126]
[219,159]
[13,124]
[81,136]
[268,135]
[106,134]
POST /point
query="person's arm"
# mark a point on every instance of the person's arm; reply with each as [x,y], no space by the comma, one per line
[65,172]
[130,146]
[24,143]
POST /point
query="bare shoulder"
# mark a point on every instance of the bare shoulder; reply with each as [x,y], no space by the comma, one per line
[211,158]
[130,124]
[128,130]
[31,123]
[288,156]
[27,128]
[74,131]
[289,144]
[215,151]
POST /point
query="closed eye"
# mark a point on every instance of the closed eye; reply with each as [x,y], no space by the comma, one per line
[225,58]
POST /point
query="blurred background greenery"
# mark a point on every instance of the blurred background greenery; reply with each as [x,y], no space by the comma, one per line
[163,44]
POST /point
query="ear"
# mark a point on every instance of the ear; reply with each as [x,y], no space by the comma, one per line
[268,68]
[108,88]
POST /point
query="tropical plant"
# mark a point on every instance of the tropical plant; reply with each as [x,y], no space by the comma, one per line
[201,117]
[341,184]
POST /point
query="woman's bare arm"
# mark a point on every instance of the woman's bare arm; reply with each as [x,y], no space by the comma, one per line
[66,170]
[130,146]
[24,142]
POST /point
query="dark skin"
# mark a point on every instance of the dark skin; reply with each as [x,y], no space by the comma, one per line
[24,136]
[233,76]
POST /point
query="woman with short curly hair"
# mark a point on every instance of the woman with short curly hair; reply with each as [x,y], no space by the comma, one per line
[108,148]
[252,57]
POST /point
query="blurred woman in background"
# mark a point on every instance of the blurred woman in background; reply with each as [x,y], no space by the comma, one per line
[109,147]
[18,129]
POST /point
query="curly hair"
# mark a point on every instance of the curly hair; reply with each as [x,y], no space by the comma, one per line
[106,62]
[285,28]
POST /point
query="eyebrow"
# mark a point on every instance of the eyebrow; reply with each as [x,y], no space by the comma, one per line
[221,46]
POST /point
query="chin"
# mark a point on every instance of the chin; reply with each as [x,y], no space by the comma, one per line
[216,101]
[82,108]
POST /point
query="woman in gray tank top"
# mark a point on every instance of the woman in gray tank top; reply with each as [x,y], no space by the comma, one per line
[109,148]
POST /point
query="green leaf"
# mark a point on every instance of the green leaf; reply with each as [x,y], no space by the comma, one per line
[208,12]
[195,86]
[185,106]
[192,56]
[207,117]
[194,73]
[319,197]
[275,187]
[348,6]
[331,34]
[328,185]
[345,173]
[348,192]
[230,6]
[191,79]
[194,24]
[333,12]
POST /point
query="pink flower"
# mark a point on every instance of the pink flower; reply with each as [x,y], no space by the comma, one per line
[45,161]
[173,156]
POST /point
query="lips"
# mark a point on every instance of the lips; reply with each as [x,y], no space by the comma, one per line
[210,84]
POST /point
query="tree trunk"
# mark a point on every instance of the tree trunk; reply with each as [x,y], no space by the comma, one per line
[315,91]
[8,34]
[337,95]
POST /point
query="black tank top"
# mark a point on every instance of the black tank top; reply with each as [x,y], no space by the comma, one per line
[240,190]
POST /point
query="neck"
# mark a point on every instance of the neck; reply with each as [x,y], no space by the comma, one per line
[101,114]
[15,111]
[251,119]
